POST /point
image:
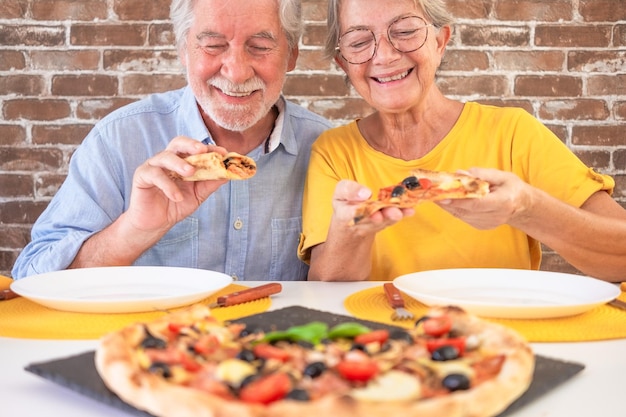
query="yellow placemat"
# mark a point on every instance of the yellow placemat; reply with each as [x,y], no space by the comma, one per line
[601,323]
[23,318]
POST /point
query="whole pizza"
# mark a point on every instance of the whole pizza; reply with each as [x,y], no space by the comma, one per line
[187,363]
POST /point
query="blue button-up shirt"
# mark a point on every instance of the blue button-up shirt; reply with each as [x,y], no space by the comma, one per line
[248,229]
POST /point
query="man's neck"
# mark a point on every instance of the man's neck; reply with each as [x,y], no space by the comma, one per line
[245,141]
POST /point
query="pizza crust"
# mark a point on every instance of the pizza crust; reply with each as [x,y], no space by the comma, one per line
[215,166]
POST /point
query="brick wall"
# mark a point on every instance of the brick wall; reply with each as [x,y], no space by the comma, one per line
[64,64]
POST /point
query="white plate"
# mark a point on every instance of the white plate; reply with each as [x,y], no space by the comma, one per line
[120,289]
[508,293]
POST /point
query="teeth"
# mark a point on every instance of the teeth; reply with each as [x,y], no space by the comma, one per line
[236,94]
[393,77]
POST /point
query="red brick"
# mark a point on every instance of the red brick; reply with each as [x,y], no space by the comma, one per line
[69,10]
[579,109]
[528,60]
[161,34]
[599,135]
[31,35]
[71,134]
[21,212]
[607,84]
[548,86]
[16,185]
[475,9]
[620,186]
[573,36]
[464,60]
[597,61]
[84,85]
[314,35]
[487,35]
[48,185]
[602,10]
[35,109]
[141,9]
[312,60]
[620,110]
[104,34]
[141,60]
[65,60]
[30,85]
[481,85]
[13,9]
[151,83]
[314,10]
[34,160]
[619,160]
[553,262]
[12,134]
[619,35]
[534,10]
[98,108]
[316,85]
[7,259]
[12,60]
[595,159]
[15,236]
[347,109]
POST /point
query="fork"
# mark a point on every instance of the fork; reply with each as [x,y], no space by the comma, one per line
[397,302]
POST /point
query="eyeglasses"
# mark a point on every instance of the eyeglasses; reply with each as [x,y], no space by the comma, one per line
[406,34]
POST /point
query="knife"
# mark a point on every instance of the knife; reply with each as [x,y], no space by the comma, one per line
[618,303]
[244,296]
[8,294]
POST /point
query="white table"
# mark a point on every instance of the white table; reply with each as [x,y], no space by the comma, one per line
[597,391]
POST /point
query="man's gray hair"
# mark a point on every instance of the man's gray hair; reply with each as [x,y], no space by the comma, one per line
[290,15]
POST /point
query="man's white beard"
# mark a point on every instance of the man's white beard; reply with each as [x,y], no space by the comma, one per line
[236,117]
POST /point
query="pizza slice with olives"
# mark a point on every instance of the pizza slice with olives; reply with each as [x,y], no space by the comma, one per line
[189,364]
[215,166]
[424,185]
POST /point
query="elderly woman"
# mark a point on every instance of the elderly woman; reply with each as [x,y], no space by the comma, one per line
[390,51]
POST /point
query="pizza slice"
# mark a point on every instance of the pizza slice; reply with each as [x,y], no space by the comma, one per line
[423,185]
[215,166]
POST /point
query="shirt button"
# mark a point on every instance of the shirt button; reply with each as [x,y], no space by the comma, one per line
[238,224]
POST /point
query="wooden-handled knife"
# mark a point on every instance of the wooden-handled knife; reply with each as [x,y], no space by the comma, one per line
[8,294]
[250,294]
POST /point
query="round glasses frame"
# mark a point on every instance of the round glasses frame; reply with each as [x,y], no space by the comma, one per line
[389,39]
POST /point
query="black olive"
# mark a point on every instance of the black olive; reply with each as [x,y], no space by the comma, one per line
[397,191]
[358,346]
[314,369]
[411,183]
[445,353]
[401,335]
[227,162]
[160,368]
[247,380]
[246,355]
[250,329]
[152,342]
[456,382]
[298,395]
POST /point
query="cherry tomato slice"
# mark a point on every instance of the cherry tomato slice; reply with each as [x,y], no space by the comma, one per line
[457,342]
[267,351]
[425,183]
[379,336]
[357,366]
[266,389]
[437,326]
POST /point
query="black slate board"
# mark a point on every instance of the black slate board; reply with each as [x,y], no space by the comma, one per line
[79,374]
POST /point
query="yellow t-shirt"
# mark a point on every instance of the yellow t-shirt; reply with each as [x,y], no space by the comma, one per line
[508,139]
